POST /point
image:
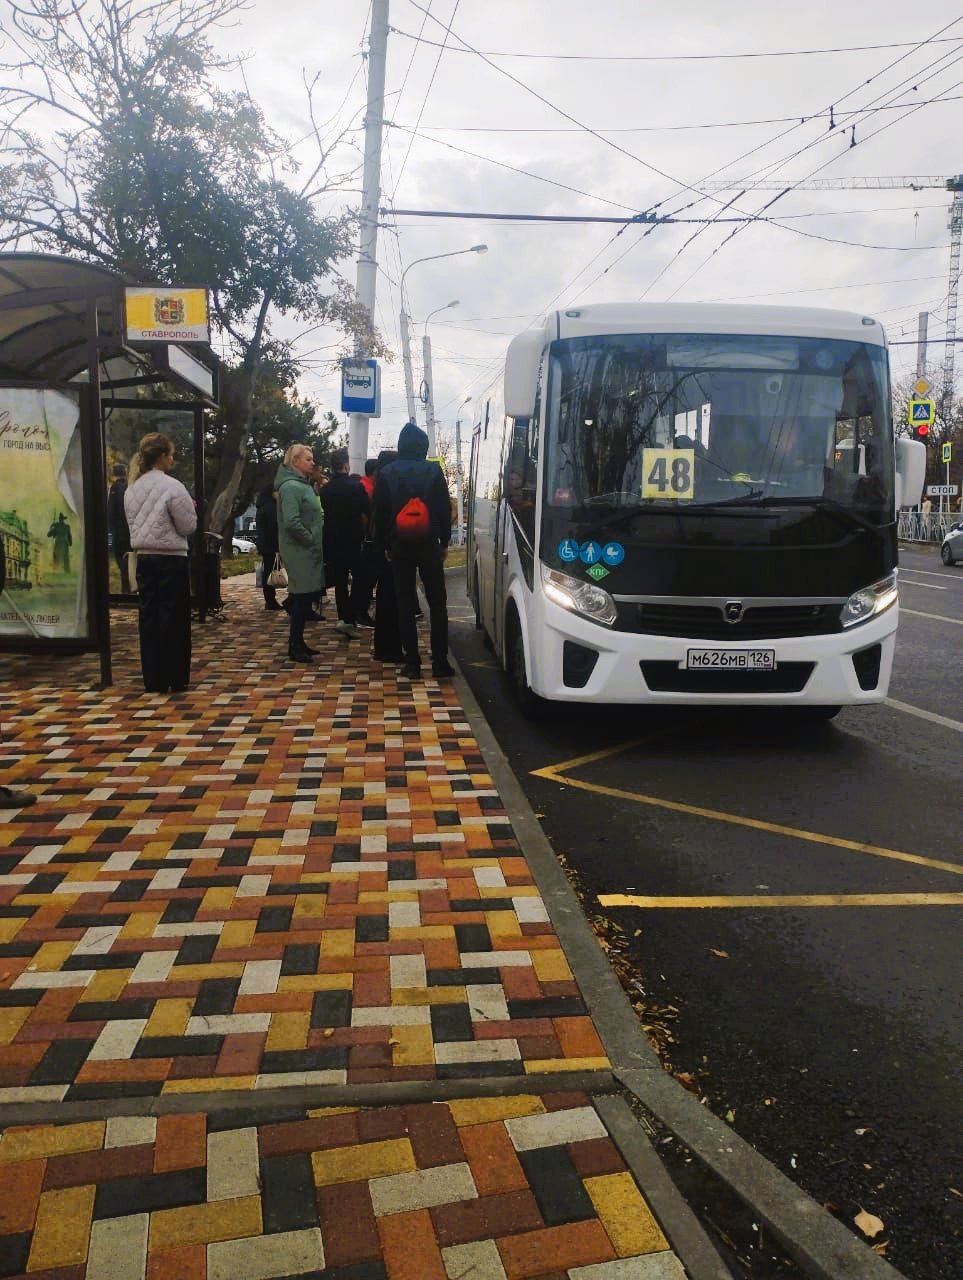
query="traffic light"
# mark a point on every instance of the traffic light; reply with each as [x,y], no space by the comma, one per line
[921,432]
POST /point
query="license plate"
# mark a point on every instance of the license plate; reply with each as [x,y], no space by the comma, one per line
[730,660]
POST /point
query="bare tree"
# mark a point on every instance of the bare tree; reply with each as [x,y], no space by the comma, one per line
[120,145]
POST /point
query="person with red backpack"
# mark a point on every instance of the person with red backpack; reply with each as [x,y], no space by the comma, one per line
[412,522]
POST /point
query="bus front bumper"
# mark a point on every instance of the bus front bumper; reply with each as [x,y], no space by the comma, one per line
[844,668]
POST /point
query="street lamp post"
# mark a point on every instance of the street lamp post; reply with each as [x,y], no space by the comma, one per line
[460,527]
[405,321]
[429,392]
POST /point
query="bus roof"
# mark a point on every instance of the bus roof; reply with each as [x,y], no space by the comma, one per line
[712,317]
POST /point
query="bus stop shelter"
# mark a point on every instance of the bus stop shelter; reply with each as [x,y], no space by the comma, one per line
[78,345]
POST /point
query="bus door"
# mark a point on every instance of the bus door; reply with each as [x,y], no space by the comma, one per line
[470,530]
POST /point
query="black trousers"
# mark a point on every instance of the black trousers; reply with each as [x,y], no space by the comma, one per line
[299,611]
[164,587]
[343,572]
[371,559]
[408,559]
[268,551]
[387,633]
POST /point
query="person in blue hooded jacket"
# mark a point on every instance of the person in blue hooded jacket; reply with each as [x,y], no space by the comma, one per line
[413,477]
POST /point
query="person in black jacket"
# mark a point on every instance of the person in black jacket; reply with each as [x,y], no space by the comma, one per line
[9,798]
[117,525]
[412,477]
[346,512]
[266,506]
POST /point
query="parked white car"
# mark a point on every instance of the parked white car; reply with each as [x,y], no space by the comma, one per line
[951,550]
[243,546]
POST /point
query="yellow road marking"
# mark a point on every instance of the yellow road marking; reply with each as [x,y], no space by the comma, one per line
[554,774]
[937,617]
[790,900]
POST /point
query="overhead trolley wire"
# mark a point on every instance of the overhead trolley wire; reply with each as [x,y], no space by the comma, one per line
[798,119]
[659,57]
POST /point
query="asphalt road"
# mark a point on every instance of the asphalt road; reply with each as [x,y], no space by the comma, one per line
[829,1031]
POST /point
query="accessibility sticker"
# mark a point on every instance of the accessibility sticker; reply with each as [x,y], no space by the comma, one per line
[613,553]
[568,550]
[598,572]
[590,553]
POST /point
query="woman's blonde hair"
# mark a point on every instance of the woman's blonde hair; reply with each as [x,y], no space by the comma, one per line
[151,449]
[293,450]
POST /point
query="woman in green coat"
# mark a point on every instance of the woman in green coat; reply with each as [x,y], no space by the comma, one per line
[300,540]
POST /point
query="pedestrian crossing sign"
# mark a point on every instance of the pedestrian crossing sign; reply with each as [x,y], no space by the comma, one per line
[947,452]
[921,413]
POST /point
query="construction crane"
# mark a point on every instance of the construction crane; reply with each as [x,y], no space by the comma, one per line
[914,183]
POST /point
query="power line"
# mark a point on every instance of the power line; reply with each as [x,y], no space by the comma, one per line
[838,116]
[659,57]
[424,102]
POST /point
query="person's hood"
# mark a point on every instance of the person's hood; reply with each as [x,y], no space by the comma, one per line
[412,443]
[288,473]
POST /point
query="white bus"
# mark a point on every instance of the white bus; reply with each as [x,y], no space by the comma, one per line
[674,503]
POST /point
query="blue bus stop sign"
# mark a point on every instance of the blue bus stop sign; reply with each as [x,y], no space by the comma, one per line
[361,387]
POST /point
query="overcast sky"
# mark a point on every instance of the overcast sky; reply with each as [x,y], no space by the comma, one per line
[640,107]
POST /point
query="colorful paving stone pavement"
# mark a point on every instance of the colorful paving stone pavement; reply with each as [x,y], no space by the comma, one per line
[302,880]
[287,876]
[485,1189]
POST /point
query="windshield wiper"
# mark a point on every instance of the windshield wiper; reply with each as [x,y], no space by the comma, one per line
[818,504]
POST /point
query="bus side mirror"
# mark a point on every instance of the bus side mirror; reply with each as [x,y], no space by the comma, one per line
[910,471]
[521,372]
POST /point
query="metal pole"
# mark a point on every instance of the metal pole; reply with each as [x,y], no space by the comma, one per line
[458,535]
[97,564]
[921,344]
[406,361]
[430,407]
[371,196]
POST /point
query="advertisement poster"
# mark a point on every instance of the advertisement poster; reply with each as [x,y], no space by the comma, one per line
[42,515]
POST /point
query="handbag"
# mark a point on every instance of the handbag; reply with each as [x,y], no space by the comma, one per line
[278,577]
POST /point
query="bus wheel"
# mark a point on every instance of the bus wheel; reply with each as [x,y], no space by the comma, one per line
[528,703]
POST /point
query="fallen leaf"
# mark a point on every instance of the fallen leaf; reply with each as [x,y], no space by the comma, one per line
[769,1102]
[730,1116]
[688,1081]
[723,955]
[637,934]
[328,1031]
[869,1224]
[881,1247]
[958,1194]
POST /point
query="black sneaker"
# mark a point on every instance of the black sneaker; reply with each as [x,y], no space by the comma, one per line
[10,799]
[411,672]
[441,670]
[300,655]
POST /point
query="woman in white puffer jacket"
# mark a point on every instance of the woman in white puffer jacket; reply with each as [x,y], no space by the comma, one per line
[161,516]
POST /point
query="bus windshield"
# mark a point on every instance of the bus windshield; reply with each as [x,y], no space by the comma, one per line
[684,422]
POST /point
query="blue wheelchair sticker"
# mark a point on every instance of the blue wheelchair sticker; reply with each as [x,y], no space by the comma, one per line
[568,550]
[590,553]
[613,553]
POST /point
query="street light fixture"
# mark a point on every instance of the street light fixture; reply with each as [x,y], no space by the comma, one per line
[405,335]
[428,386]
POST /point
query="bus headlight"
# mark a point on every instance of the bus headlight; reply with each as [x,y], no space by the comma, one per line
[870,601]
[579,596]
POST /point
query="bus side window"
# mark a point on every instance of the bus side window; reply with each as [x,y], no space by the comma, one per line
[520,473]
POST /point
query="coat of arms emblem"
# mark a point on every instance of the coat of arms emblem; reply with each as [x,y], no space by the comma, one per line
[169,310]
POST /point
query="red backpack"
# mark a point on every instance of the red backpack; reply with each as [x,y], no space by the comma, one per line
[413,521]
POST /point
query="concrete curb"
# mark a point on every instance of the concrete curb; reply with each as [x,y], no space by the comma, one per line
[301,1097]
[821,1246]
[682,1228]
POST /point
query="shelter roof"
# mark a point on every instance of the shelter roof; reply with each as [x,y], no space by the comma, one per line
[45,337]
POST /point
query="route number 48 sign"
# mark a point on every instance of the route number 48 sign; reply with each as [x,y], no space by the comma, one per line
[668,473]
